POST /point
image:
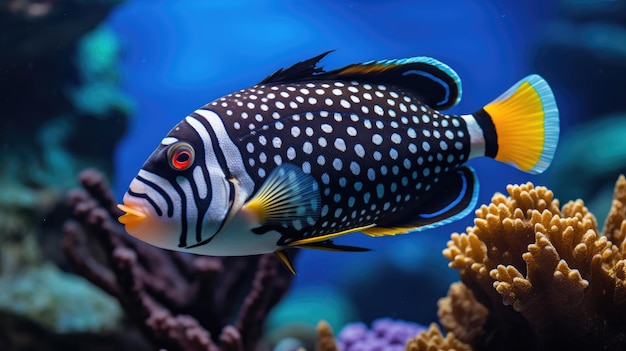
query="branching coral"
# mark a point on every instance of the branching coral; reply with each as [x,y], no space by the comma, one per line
[178,301]
[547,276]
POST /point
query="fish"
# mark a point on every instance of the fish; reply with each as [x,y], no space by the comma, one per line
[308,155]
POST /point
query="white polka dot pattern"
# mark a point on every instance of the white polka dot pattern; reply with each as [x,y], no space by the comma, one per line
[375,150]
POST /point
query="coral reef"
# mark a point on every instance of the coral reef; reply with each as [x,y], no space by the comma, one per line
[385,334]
[535,276]
[546,275]
[178,301]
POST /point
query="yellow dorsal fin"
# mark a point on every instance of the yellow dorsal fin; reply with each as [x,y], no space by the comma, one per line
[526,120]
[282,256]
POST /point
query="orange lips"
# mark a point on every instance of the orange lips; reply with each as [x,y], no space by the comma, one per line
[132,217]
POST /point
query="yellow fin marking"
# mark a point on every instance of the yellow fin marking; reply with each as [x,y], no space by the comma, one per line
[365,69]
[526,121]
[285,261]
[316,239]
[384,231]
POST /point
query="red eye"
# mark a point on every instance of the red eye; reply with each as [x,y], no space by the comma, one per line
[180,156]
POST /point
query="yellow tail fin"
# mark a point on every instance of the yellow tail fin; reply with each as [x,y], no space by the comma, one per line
[526,120]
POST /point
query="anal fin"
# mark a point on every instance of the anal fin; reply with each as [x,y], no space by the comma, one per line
[454,197]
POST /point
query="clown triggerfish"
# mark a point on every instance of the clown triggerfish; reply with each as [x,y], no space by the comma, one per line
[307,155]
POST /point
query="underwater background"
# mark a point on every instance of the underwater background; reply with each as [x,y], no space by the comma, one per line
[97,84]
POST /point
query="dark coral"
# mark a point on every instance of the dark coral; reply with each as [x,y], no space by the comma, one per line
[178,301]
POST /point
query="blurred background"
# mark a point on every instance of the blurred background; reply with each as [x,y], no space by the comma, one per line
[99,83]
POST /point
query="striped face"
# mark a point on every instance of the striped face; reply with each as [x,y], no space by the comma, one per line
[306,156]
[188,186]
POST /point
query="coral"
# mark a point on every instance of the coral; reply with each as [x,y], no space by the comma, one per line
[178,301]
[385,334]
[61,302]
[546,275]
[433,340]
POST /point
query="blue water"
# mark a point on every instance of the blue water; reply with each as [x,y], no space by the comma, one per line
[179,55]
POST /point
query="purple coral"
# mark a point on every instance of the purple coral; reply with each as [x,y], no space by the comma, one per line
[178,301]
[386,335]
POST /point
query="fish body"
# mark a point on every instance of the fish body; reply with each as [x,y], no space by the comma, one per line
[308,155]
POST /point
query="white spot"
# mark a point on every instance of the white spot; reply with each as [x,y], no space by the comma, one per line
[371,174]
[355,168]
[338,117]
[358,186]
[250,105]
[339,84]
[426,172]
[327,128]
[443,145]
[306,167]
[450,158]
[351,131]
[353,89]
[279,125]
[278,160]
[324,210]
[291,153]
[378,110]
[277,142]
[338,212]
[377,155]
[380,191]
[377,139]
[449,134]
[321,160]
[284,94]
[344,103]
[322,141]
[307,147]
[425,118]
[367,96]
[293,105]
[319,91]
[393,153]
[237,125]
[411,133]
[280,105]
[360,151]
[458,145]
[340,144]
[271,96]
[455,122]
[264,107]
[262,140]
[304,91]
[262,157]
[295,131]
[168,141]
[426,146]
[380,124]
[355,99]
[412,148]
[325,178]
[309,116]
[261,172]
[308,131]
[312,101]
[407,163]
[250,147]
[337,92]
[337,164]
[396,138]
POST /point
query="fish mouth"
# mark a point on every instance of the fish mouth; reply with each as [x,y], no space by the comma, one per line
[132,217]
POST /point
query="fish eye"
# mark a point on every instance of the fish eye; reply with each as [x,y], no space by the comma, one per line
[180,156]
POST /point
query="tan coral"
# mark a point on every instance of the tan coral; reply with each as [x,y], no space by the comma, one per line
[433,340]
[461,314]
[547,276]
[325,337]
